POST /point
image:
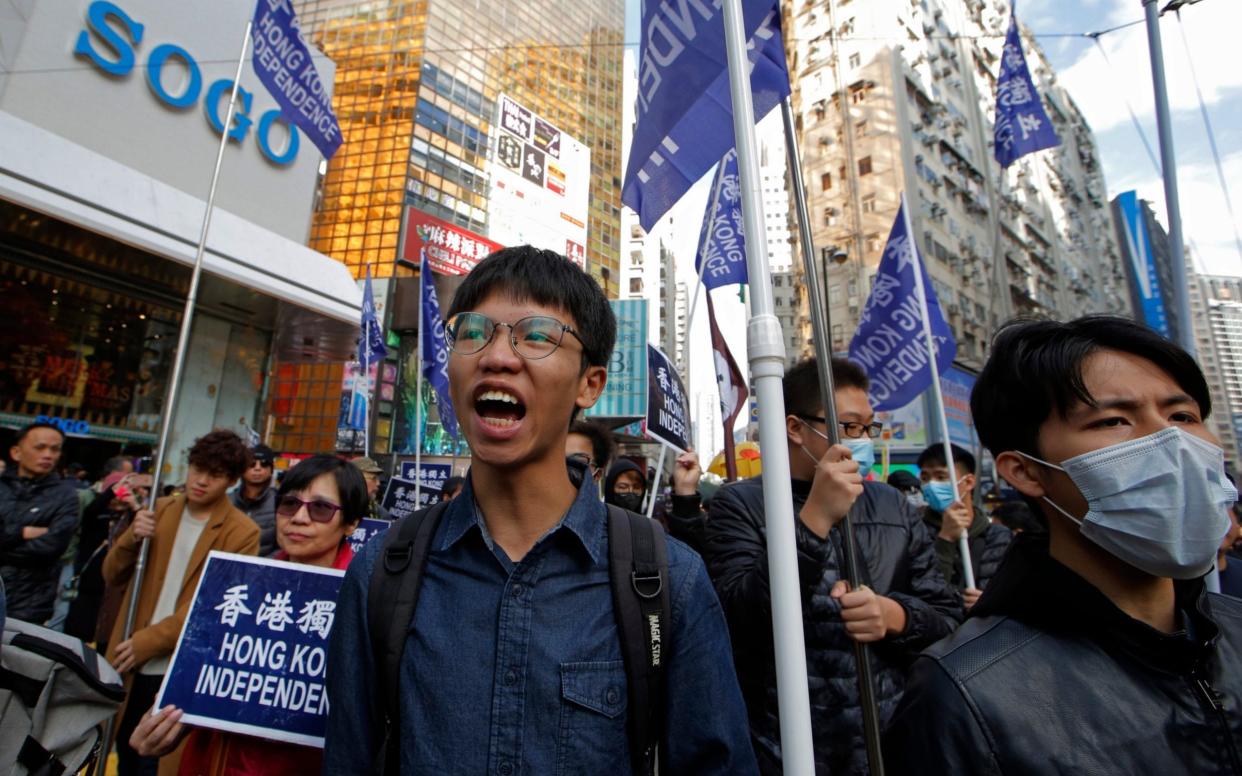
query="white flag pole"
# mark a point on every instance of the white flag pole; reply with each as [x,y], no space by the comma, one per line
[366,388]
[174,383]
[653,487]
[766,353]
[963,541]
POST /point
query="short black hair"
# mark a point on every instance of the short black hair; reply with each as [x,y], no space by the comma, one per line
[1035,369]
[801,384]
[349,481]
[26,430]
[603,445]
[451,485]
[220,452]
[524,273]
[934,456]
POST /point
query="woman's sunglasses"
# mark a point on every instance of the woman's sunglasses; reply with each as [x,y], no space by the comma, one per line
[319,510]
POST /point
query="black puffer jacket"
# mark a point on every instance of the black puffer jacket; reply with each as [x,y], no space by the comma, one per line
[1049,676]
[899,563]
[988,543]
[30,568]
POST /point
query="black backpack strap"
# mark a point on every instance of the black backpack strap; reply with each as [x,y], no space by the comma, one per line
[391,599]
[638,568]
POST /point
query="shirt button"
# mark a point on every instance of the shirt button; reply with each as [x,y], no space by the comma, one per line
[612,697]
[505,768]
[511,677]
[516,591]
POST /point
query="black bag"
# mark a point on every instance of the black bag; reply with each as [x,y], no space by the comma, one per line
[638,569]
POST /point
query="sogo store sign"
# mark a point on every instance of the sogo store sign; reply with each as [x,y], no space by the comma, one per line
[110,42]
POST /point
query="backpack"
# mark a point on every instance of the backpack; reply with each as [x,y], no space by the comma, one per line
[56,694]
[638,571]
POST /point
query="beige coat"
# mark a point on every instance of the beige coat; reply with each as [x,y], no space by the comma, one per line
[228,530]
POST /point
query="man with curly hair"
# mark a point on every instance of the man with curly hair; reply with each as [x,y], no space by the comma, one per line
[182,530]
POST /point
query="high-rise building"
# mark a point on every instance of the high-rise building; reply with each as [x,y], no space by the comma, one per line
[1216,311]
[892,96]
[417,90]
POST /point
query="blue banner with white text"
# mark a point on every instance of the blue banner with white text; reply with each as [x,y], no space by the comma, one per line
[254,649]
[722,241]
[283,63]
[1022,125]
[890,344]
[685,108]
[435,351]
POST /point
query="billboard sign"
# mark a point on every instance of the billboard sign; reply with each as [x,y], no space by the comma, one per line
[451,249]
[625,393]
[1143,272]
[541,180]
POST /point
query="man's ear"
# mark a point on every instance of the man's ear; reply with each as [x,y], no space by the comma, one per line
[1021,473]
[591,386]
[968,482]
[15,454]
[793,430]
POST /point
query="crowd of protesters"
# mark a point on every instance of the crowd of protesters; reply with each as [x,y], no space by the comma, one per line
[1087,643]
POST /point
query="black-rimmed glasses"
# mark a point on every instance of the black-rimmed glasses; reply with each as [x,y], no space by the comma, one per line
[532,338]
[850,429]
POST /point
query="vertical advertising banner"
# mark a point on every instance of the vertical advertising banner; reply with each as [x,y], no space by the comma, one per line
[541,181]
[1144,276]
[956,385]
[625,394]
[254,649]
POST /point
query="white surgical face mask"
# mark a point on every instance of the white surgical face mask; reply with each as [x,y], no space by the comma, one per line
[1157,502]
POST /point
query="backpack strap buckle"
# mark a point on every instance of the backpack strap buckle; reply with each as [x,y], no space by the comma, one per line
[397,557]
[647,585]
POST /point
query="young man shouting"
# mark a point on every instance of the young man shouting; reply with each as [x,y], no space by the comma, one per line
[512,662]
[1095,648]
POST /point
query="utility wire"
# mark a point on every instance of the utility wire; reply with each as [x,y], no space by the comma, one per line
[1207,123]
[1129,107]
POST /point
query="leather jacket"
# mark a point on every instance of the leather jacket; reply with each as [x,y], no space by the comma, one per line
[1049,676]
[899,562]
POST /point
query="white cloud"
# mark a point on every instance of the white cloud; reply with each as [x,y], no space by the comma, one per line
[1101,92]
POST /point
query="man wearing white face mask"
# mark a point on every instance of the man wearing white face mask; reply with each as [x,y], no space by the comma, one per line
[1095,649]
[948,518]
[905,606]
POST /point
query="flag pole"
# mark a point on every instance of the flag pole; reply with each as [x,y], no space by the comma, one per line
[963,541]
[174,383]
[654,486]
[766,351]
[366,389]
[420,414]
[823,358]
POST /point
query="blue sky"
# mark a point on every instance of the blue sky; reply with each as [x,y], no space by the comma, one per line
[1211,28]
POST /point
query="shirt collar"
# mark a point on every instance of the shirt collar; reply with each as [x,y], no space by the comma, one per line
[585,519]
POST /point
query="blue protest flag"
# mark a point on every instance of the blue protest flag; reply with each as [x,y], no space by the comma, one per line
[371,346]
[1022,125]
[890,344]
[677,140]
[722,242]
[283,63]
[435,350]
[252,656]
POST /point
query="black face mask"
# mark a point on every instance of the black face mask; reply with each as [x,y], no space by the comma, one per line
[630,501]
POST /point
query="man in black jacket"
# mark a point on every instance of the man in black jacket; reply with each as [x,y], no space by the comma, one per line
[40,514]
[905,606]
[948,518]
[1095,648]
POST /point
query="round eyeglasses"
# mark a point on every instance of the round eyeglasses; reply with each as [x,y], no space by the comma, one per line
[532,338]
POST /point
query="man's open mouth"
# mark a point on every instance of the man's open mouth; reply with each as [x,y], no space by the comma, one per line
[499,409]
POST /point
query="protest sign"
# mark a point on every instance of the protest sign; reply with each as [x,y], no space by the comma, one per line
[400,501]
[668,411]
[433,474]
[368,528]
[253,652]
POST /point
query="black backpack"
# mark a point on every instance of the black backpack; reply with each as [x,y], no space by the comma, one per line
[638,569]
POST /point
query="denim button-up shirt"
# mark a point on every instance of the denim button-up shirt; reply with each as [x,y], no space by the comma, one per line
[516,668]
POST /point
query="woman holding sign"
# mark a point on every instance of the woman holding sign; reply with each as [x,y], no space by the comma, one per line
[319,504]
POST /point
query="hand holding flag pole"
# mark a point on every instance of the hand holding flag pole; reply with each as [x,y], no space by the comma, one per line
[823,357]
